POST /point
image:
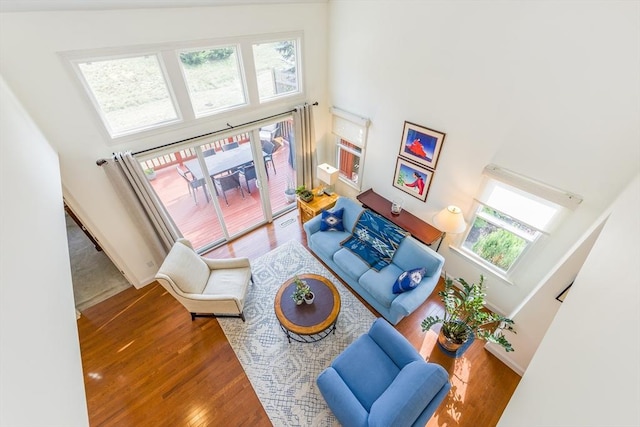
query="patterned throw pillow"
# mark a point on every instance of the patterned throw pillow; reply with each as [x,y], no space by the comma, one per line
[409,280]
[332,221]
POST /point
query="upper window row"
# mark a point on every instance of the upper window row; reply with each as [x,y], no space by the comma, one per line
[136,92]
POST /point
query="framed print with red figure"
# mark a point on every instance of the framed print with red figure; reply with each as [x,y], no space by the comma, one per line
[421,145]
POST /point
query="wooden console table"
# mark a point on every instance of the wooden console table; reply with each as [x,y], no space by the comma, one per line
[419,229]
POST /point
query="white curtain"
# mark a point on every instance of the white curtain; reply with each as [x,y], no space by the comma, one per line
[305,139]
[142,202]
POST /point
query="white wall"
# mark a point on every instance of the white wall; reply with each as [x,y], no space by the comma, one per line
[547,89]
[599,323]
[40,367]
[30,43]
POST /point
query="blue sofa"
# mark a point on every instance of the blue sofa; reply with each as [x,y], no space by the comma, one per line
[381,380]
[375,286]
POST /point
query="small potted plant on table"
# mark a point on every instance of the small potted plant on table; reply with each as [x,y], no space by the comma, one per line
[304,194]
[465,317]
[302,293]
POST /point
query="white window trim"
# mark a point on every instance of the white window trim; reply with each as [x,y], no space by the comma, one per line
[176,83]
[563,199]
[362,124]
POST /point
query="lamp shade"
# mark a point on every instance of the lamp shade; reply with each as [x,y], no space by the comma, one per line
[450,220]
[327,174]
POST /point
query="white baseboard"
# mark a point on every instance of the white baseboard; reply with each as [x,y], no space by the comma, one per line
[503,356]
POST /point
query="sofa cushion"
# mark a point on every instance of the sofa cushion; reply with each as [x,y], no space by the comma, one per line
[413,254]
[380,283]
[327,244]
[366,380]
[408,280]
[332,220]
[350,263]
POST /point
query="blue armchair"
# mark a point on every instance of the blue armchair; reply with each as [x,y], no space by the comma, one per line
[381,380]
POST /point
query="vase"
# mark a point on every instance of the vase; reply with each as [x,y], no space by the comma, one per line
[309,300]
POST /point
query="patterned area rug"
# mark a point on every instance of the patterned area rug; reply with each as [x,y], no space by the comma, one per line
[282,374]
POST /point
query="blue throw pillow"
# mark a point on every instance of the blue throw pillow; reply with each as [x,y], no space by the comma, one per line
[409,280]
[332,221]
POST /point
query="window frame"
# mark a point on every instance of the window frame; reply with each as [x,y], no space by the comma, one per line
[75,64]
[345,126]
[185,80]
[561,201]
[167,55]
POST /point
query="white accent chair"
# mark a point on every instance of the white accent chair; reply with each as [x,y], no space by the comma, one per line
[206,287]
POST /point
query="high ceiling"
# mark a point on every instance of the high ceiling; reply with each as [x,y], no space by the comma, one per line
[57,5]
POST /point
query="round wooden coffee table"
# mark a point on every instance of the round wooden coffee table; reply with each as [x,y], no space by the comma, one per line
[308,322]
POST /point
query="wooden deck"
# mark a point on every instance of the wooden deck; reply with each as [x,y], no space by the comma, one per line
[199,221]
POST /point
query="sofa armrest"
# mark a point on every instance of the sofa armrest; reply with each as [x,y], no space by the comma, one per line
[407,302]
[342,402]
[393,343]
[409,394]
[312,226]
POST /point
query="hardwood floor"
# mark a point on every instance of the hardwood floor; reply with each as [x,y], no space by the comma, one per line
[146,363]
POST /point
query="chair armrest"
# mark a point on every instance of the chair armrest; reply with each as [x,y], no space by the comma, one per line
[393,343]
[415,387]
[216,264]
[342,402]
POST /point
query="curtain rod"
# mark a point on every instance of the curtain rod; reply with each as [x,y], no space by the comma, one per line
[100,162]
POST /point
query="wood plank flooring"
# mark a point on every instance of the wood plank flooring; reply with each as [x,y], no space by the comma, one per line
[146,363]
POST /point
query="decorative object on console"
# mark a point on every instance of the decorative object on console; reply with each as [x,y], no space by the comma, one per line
[304,194]
[449,220]
[421,145]
[412,179]
[328,175]
[396,206]
[465,317]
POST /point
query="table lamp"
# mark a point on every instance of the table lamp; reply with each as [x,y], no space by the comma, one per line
[449,220]
[327,174]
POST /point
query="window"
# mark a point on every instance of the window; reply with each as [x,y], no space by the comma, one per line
[213,79]
[513,212]
[351,138]
[130,94]
[276,68]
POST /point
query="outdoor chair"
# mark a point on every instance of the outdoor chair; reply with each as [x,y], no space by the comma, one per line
[268,148]
[249,173]
[192,185]
[224,183]
[206,287]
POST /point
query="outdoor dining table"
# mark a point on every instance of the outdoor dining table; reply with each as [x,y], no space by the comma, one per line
[221,162]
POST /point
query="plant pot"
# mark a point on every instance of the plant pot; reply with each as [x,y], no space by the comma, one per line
[447,343]
[309,298]
[306,196]
[290,196]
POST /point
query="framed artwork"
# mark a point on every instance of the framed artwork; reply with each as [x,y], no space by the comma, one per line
[421,145]
[412,178]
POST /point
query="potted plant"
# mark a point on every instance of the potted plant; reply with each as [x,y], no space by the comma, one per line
[290,191]
[151,174]
[301,291]
[304,194]
[465,317]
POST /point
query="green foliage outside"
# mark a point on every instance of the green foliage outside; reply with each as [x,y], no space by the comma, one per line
[500,247]
[202,56]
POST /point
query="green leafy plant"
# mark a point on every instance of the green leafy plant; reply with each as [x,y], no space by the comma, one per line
[301,290]
[306,195]
[464,313]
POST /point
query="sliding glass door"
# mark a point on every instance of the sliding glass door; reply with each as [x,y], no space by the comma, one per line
[219,188]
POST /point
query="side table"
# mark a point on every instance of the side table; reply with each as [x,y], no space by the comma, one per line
[310,209]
